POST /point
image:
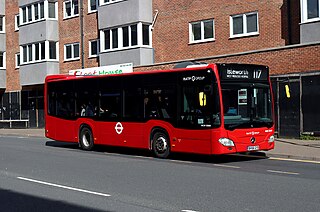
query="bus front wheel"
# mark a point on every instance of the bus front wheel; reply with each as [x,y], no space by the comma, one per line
[86,138]
[160,144]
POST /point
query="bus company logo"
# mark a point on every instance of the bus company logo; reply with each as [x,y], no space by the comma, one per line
[238,74]
[252,133]
[194,78]
[118,128]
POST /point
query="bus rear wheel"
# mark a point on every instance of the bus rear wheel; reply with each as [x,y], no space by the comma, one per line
[86,138]
[160,145]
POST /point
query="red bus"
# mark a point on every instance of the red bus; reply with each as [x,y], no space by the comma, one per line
[212,109]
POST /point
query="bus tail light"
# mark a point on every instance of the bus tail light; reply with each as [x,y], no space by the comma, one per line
[271,139]
[226,142]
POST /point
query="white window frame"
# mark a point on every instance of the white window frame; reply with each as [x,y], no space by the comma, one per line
[3,24]
[72,52]
[120,38]
[244,26]
[72,9]
[202,39]
[90,48]
[33,9]
[33,49]
[89,6]
[16,19]
[104,2]
[17,60]
[4,61]
[304,12]
[46,10]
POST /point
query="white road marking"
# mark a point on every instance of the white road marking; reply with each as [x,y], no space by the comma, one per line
[189,211]
[64,187]
[227,166]
[295,160]
[283,172]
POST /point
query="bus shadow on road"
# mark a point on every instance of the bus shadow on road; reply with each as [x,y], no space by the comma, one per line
[143,153]
[60,144]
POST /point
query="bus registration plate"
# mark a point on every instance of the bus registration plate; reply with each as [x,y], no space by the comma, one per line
[253,148]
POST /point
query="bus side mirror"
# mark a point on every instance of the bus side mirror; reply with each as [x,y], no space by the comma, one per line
[202,99]
[287,91]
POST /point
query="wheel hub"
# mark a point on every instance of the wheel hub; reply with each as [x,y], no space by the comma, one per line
[161,144]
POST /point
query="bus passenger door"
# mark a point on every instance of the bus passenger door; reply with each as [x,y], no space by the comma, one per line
[195,119]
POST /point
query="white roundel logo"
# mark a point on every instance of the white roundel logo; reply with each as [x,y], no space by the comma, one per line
[118,128]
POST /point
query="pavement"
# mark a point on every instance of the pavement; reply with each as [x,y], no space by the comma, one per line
[284,148]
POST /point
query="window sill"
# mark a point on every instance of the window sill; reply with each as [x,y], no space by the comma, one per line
[70,17]
[202,41]
[308,21]
[71,59]
[31,22]
[112,2]
[244,35]
[93,56]
[38,61]
[92,11]
[125,48]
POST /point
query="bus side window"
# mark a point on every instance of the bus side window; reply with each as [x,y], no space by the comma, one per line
[110,105]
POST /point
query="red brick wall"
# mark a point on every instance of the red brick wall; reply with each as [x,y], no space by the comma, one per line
[12,46]
[69,32]
[171,30]
[283,61]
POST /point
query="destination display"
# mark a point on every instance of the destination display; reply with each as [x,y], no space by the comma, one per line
[243,72]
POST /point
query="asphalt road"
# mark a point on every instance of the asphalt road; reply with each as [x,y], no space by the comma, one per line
[38,174]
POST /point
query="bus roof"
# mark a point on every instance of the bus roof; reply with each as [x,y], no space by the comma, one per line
[67,77]
[58,77]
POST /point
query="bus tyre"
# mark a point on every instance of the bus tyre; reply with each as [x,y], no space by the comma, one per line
[86,138]
[160,145]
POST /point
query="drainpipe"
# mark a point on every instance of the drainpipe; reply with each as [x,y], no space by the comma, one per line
[289,22]
[81,34]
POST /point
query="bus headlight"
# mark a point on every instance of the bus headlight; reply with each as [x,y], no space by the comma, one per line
[226,142]
[271,139]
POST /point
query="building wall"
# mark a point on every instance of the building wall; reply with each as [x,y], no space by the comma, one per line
[171,31]
[283,60]
[70,33]
[12,41]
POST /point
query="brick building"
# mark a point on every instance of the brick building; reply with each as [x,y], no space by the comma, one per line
[42,37]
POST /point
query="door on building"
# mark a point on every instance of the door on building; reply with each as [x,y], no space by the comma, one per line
[289,107]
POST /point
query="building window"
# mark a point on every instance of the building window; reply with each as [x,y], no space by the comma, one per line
[310,10]
[71,51]
[244,25]
[17,22]
[38,11]
[2,21]
[126,37]
[201,31]
[93,5]
[36,52]
[52,50]
[93,48]
[52,9]
[71,8]
[17,56]
[2,60]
